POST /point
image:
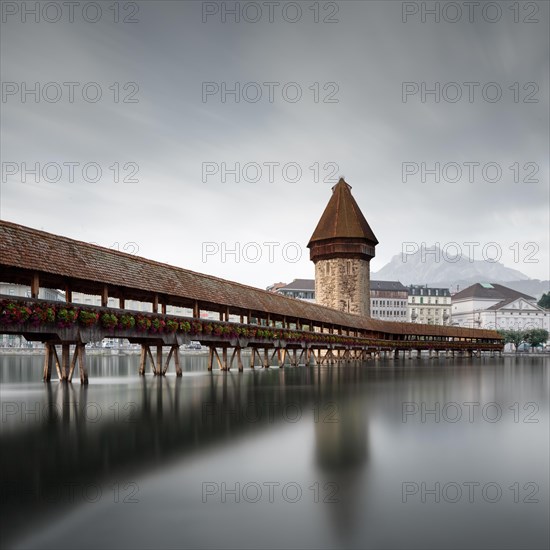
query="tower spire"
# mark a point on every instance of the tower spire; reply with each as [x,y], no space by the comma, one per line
[341,248]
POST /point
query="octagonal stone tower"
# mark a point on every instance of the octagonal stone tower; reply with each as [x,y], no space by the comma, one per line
[341,248]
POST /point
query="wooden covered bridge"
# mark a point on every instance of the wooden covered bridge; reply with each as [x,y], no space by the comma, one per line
[271,325]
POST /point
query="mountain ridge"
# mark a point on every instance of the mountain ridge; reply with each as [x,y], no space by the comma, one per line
[434,268]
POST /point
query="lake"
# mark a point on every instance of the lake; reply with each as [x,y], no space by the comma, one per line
[388,454]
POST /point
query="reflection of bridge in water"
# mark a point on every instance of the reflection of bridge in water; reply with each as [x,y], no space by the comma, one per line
[74,442]
[272,326]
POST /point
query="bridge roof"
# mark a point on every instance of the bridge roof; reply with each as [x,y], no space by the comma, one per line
[87,268]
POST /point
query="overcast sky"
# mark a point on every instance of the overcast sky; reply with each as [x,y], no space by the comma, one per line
[163,113]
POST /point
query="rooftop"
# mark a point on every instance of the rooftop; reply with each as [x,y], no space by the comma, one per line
[88,268]
[424,290]
[388,285]
[300,284]
[490,291]
[343,218]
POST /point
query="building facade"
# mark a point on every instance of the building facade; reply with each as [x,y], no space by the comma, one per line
[341,248]
[9,289]
[302,289]
[388,300]
[494,306]
[431,306]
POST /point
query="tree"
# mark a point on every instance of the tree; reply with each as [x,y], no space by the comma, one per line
[515,337]
[545,301]
[536,336]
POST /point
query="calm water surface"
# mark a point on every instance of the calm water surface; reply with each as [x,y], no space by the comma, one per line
[442,454]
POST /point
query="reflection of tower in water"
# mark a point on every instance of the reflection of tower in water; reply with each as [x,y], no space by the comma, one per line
[341,458]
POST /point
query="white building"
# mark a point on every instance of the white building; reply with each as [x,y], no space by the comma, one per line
[493,306]
[22,291]
[430,306]
[388,301]
[302,289]
[132,305]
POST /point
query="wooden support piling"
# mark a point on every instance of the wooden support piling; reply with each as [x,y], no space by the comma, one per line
[239,360]
[142,360]
[221,364]
[158,365]
[73,362]
[177,360]
[170,353]
[210,357]
[48,361]
[82,364]
[232,358]
[224,355]
[57,363]
[151,358]
[65,354]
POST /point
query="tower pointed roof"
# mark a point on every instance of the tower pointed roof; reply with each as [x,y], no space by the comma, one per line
[342,218]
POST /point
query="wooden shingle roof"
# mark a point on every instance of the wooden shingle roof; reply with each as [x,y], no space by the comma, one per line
[342,218]
[88,267]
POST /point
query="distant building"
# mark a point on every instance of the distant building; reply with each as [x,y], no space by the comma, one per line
[303,289]
[490,305]
[132,305]
[431,306]
[275,287]
[341,248]
[388,300]
[9,289]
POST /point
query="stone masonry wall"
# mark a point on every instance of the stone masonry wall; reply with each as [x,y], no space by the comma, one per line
[343,283]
